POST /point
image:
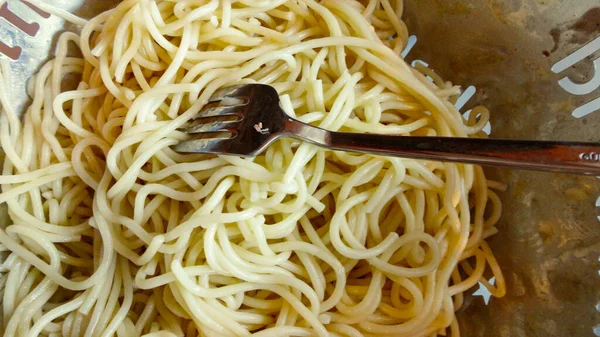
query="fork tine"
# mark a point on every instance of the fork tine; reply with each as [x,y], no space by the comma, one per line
[222,93]
[210,126]
[214,111]
[214,145]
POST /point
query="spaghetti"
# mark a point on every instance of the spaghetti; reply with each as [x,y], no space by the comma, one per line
[115,234]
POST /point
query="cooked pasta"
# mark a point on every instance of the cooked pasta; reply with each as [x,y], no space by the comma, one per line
[115,234]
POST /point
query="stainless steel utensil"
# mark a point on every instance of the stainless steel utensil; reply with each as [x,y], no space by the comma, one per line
[243,120]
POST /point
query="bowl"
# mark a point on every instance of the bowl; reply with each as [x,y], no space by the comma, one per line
[536,66]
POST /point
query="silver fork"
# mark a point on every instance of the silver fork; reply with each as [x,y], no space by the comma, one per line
[243,120]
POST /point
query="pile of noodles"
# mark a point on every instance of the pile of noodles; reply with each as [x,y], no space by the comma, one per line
[115,234]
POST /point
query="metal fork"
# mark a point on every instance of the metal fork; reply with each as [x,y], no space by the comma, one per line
[243,120]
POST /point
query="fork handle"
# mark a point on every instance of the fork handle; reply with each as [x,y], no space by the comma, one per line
[565,157]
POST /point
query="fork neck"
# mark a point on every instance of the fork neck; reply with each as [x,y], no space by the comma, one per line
[312,134]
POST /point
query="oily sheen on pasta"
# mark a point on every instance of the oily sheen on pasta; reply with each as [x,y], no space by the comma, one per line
[115,234]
